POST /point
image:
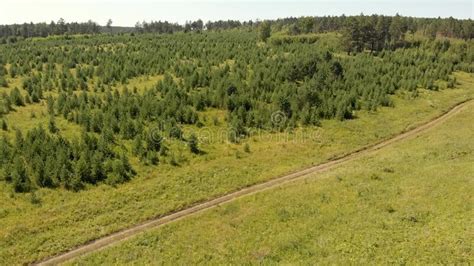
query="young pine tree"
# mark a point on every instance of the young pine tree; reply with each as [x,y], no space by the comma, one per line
[4,125]
[193,144]
[16,98]
[20,179]
[52,125]
[137,148]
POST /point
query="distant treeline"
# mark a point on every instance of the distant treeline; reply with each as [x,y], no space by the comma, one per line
[27,30]
[376,33]
[447,27]
[198,25]
[385,26]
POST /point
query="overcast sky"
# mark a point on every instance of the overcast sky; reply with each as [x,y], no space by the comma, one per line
[127,12]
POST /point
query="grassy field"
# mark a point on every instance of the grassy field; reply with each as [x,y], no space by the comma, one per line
[410,203]
[50,221]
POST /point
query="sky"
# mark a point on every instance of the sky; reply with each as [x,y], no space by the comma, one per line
[128,12]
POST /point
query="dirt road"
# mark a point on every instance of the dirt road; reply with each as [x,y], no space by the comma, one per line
[132,231]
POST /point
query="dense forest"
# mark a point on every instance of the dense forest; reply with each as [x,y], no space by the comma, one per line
[249,70]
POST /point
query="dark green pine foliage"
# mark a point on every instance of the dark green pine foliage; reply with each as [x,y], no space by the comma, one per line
[54,161]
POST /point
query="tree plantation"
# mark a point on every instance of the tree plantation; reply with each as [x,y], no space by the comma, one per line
[327,139]
[307,69]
